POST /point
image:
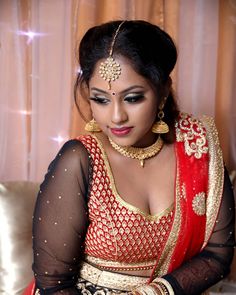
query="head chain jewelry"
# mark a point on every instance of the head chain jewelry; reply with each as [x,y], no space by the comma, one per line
[110,70]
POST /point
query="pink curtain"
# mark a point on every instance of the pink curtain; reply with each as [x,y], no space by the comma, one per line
[38,42]
[38,66]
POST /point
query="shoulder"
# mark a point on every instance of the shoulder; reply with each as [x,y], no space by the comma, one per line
[192,132]
[198,134]
[74,147]
[72,154]
[188,123]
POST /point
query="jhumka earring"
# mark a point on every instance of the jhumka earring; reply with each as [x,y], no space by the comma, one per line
[160,126]
[92,126]
[110,70]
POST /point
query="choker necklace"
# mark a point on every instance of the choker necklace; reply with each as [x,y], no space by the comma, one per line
[140,154]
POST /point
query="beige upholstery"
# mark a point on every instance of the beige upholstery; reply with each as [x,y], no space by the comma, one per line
[17,201]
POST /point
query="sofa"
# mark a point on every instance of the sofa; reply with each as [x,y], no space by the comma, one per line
[17,201]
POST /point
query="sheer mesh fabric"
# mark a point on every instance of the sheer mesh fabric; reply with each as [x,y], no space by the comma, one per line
[213,263]
[61,220]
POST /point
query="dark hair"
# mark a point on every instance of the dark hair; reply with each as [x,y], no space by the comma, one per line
[150,50]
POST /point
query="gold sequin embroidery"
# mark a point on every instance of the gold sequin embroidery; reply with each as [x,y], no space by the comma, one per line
[216,176]
[192,132]
[199,204]
[119,231]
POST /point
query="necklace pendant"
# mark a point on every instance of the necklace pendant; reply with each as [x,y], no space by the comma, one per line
[140,154]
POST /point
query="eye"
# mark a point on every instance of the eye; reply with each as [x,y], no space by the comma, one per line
[99,99]
[134,97]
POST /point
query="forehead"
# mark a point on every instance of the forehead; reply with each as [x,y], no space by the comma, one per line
[127,78]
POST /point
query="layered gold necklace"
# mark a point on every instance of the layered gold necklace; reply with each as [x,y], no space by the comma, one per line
[140,154]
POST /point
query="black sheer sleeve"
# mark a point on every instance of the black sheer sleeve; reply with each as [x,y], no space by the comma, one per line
[213,263]
[60,221]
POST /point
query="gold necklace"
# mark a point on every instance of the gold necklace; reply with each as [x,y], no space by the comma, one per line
[140,154]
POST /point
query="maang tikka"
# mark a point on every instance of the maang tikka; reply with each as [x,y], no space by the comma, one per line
[110,70]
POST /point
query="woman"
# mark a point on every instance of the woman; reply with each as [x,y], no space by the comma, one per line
[142,204]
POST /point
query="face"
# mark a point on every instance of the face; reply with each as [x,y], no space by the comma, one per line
[127,111]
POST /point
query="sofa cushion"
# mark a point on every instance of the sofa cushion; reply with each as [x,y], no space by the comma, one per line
[17,201]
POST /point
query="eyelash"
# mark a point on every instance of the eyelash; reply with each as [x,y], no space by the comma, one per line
[99,100]
[134,98]
[129,99]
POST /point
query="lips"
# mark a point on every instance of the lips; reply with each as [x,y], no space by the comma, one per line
[121,131]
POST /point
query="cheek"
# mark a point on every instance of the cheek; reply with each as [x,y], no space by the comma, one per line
[147,113]
[98,114]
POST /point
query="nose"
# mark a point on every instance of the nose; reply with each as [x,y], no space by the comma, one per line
[119,114]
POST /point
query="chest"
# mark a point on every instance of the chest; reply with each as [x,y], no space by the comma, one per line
[119,229]
[152,188]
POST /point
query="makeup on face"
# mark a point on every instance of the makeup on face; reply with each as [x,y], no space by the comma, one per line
[127,111]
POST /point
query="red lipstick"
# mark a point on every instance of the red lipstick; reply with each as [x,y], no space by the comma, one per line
[121,131]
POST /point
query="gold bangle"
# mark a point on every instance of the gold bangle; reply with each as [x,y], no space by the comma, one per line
[145,290]
[165,285]
[158,289]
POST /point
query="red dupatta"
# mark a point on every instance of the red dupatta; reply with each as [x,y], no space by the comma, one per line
[199,187]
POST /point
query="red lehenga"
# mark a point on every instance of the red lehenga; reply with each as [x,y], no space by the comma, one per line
[116,232]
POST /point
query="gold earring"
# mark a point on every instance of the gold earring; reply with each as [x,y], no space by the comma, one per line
[160,126]
[92,126]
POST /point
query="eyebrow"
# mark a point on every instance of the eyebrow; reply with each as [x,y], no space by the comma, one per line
[123,91]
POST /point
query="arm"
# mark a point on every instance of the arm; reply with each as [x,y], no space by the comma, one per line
[213,263]
[208,267]
[60,221]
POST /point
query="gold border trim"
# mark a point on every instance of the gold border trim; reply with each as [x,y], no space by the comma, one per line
[118,197]
[216,177]
[109,279]
[164,261]
[166,284]
[108,264]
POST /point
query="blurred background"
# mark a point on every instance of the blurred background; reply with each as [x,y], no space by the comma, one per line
[38,65]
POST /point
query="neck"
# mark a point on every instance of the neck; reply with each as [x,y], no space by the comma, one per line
[146,141]
[138,153]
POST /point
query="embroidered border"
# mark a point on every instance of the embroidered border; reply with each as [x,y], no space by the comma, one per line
[199,204]
[194,135]
[116,265]
[109,279]
[118,197]
[216,177]
[164,261]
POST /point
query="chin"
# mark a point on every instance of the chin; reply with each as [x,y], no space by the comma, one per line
[124,141]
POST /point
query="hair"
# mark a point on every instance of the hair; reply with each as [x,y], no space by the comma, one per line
[150,50]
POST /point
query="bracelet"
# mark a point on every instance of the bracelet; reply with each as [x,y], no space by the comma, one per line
[163,285]
[157,287]
[145,290]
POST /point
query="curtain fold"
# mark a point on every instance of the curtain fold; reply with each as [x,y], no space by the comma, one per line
[39,44]
[38,51]
[225,100]
[198,39]
[14,115]
[51,82]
